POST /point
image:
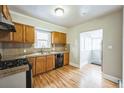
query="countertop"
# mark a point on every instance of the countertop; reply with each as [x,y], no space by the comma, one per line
[44,54]
[32,55]
[11,71]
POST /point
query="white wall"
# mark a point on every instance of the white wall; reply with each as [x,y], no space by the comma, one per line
[123,50]
[112,35]
[17,17]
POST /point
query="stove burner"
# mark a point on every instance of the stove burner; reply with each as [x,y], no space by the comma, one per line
[13,63]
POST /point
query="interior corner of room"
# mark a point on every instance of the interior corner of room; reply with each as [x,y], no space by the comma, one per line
[85,48]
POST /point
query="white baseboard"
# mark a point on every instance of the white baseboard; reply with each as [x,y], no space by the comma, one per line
[111,78]
[75,65]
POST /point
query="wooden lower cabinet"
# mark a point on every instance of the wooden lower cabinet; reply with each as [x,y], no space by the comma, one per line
[66,58]
[50,63]
[43,64]
[32,62]
[40,64]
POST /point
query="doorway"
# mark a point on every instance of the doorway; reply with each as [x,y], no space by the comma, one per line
[91,47]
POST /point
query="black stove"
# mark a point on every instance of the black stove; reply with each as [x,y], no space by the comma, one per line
[13,63]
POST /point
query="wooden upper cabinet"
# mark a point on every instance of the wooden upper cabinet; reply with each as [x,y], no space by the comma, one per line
[29,34]
[55,38]
[66,58]
[62,38]
[50,64]
[18,35]
[13,36]
[40,64]
[6,36]
[58,38]
[23,34]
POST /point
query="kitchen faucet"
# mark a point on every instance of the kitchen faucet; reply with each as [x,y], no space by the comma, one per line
[42,50]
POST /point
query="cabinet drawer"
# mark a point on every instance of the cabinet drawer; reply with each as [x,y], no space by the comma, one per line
[66,58]
[50,64]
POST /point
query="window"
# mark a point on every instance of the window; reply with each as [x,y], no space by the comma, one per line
[97,43]
[87,43]
[43,39]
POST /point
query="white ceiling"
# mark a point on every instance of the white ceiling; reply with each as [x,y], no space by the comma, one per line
[72,13]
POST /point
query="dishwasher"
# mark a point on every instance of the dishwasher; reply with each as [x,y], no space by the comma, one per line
[59,60]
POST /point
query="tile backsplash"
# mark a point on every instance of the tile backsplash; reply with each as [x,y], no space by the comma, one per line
[60,47]
[15,49]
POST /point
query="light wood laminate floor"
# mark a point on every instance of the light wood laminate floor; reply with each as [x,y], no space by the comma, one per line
[71,77]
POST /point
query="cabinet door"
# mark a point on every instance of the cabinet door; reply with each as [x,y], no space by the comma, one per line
[13,36]
[40,65]
[66,58]
[18,35]
[32,62]
[55,37]
[63,38]
[29,34]
[50,64]
[58,38]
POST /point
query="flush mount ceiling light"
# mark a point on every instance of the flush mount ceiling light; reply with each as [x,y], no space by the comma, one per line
[59,12]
